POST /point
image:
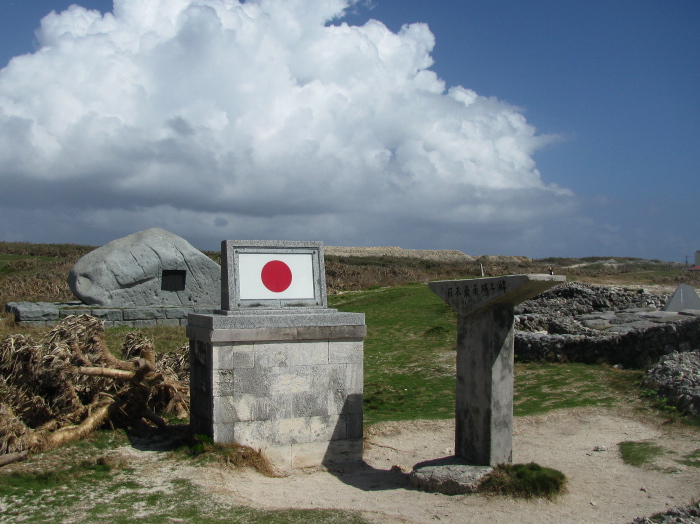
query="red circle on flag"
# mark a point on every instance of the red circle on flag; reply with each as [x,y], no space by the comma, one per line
[276,276]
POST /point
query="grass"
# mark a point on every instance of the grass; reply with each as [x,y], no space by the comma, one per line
[414,378]
[542,387]
[98,493]
[409,352]
[165,338]
[409,374]
[90,482]
[646,454]
[640,454]
[691,459]
[524,481]
[204,449]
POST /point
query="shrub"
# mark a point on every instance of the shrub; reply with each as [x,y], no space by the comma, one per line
[524,481]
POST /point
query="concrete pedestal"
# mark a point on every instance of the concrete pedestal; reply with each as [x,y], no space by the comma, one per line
[289,383]
[484,393]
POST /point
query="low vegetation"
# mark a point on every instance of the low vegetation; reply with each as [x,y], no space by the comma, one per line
[524,481]
[639,453]
[409,374]
[87,482]
[651,455]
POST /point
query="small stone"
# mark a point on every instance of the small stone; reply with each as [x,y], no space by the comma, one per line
[642,489]
[593,503]
[600,448]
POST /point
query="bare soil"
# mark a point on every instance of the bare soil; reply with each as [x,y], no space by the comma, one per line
[601,487]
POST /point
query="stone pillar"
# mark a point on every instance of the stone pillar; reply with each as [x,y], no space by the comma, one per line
[484,393]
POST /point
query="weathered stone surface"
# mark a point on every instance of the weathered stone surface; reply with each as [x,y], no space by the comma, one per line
[152,267]
[586,323]
[449,476]
[676,377]
[299,400]
[48,313]
[32,311]
[484,392]
[467,296]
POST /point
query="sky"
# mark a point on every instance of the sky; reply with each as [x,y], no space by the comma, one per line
[538,128]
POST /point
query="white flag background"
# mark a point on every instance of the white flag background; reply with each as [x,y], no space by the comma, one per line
[250,267]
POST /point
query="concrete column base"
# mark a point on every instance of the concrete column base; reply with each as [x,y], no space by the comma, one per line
[298,399]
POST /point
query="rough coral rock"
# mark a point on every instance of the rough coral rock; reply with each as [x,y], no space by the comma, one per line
[677,378]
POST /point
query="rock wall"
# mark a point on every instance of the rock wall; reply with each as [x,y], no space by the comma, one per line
[578,322]
[676,377]
[639,347]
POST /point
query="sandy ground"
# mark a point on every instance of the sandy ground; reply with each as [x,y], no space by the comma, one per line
[601,487]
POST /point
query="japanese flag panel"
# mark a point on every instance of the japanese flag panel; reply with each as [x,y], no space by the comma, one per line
[265,276]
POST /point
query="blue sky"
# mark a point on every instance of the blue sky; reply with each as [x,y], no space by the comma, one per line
[609,87]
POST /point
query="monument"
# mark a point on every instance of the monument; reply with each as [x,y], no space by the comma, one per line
[150,268]
[276,369]
[484,392]
[149,278]
[684,297]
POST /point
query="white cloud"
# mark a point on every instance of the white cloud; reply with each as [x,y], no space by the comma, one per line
[268,118]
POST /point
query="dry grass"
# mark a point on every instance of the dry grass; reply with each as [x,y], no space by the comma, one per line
[69,375]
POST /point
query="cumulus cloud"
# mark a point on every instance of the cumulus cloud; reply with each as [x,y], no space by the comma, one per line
[261,119]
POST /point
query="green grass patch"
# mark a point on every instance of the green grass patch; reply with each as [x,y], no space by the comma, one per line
[541,387]
[94,499]
[524,481]
[409,352]
[640,454]
[691,459]
[410,363]
[83,484]
[47,486]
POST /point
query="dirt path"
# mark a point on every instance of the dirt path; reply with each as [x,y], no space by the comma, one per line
[601,487]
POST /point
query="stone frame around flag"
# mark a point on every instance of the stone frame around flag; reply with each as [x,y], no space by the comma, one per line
[242,259]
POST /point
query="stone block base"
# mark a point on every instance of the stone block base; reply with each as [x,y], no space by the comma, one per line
[50,313]
[273,388]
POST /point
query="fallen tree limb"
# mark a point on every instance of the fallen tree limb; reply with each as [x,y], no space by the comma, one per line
[116,374]
[10,458]
[87,426]
[68,385]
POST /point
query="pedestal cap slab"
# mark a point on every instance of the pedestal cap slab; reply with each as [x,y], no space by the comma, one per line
[468,296]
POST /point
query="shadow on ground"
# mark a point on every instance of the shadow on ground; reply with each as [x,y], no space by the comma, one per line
[169,438]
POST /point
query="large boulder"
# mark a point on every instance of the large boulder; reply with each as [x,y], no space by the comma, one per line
[149,268]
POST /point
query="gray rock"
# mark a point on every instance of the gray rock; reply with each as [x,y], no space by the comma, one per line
[448,475]
[32,311]
[676,377]
[684,515]
[151,267]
